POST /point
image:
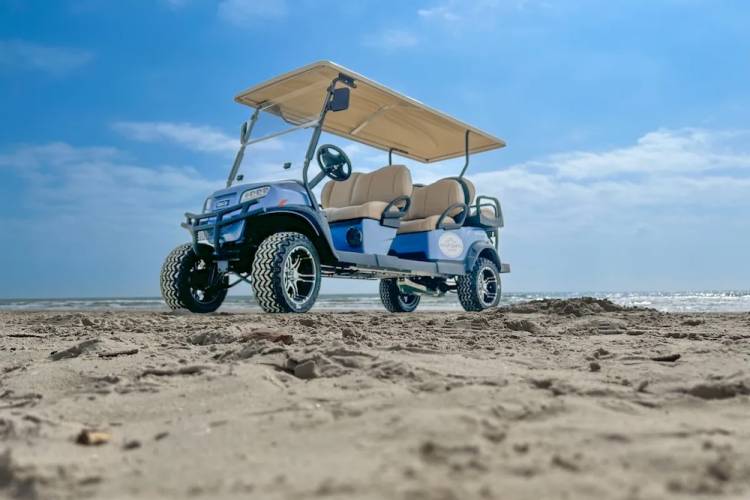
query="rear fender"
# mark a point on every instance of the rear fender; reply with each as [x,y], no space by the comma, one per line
[481,249]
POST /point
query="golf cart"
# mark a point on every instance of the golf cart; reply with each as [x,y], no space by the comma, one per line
[416,239]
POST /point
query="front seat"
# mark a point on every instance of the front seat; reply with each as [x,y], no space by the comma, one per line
[429,203]
[365,196]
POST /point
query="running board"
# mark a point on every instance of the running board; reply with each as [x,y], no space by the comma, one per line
[388,262]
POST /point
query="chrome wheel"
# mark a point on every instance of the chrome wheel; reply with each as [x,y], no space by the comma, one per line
[299,275]
[202,275]
[487,286]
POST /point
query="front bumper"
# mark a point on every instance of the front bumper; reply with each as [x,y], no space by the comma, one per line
[220,227]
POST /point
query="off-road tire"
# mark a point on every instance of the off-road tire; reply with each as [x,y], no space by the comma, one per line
[175,283]
[268,269]
[393,299]
[469,286]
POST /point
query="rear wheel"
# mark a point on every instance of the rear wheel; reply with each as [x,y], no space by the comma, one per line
[286,273]
[394,300]
[480,288]
[191,282]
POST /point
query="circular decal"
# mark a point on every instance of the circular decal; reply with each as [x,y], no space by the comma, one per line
[451,245]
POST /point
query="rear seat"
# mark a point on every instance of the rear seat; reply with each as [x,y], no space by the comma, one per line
[365,196]
[488,215]
[429,202]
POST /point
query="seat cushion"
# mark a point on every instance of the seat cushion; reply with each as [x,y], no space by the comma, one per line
[419,225]
[371,210]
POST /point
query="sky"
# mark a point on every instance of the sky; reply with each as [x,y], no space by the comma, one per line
[627,123]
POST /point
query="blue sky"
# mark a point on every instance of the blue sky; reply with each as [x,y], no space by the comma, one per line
[628,125]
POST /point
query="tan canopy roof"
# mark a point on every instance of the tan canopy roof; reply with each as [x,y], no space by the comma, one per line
[377,116]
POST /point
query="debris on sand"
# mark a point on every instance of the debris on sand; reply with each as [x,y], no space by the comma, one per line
[166,372]
[694,321]
[306,370]
[90,437]
[669,358]
[121,352]
[565,463]
[719,390]
[131,444]
[76,350]
[582,306]
[594,366]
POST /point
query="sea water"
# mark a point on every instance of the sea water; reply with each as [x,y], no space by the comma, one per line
[703,301]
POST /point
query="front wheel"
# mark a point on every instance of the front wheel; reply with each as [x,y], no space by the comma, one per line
[480,288]
[286,273]
[394,300]
[191,282]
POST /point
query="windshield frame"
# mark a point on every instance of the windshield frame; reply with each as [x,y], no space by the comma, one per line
[316,124]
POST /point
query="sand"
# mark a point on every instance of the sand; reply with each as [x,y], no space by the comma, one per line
[576,399]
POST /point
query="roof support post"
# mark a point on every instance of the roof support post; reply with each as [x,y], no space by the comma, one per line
[309,184]
[390,154]
[466,165]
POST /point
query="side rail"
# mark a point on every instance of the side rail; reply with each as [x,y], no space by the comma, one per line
[391,217]
[458,221]
[479,218]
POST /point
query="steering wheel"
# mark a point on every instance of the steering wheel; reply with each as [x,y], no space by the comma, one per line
[334,163]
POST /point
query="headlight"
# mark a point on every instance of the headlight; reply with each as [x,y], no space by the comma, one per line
[207,205]
[255,193]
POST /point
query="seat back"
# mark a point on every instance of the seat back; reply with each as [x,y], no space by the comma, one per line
[435,198]
[469,190]
[384,185]
[337,194]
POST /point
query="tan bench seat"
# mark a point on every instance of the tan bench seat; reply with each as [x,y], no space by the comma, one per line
[429,202]
[365,196]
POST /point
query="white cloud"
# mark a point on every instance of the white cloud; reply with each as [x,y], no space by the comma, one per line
[665,173]
[194,137]
[675,151]
[240,12]
[108,221]
[442,12]
[471,14]
[176,4]
[56,60]
[391,39]
[90,180]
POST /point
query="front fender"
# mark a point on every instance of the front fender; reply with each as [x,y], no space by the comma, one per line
[299,219]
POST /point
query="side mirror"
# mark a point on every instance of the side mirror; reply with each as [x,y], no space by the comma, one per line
[340,100]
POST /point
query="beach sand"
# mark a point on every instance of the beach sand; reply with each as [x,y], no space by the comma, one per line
[577,399]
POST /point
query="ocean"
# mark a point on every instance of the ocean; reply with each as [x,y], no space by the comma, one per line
[705,301]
